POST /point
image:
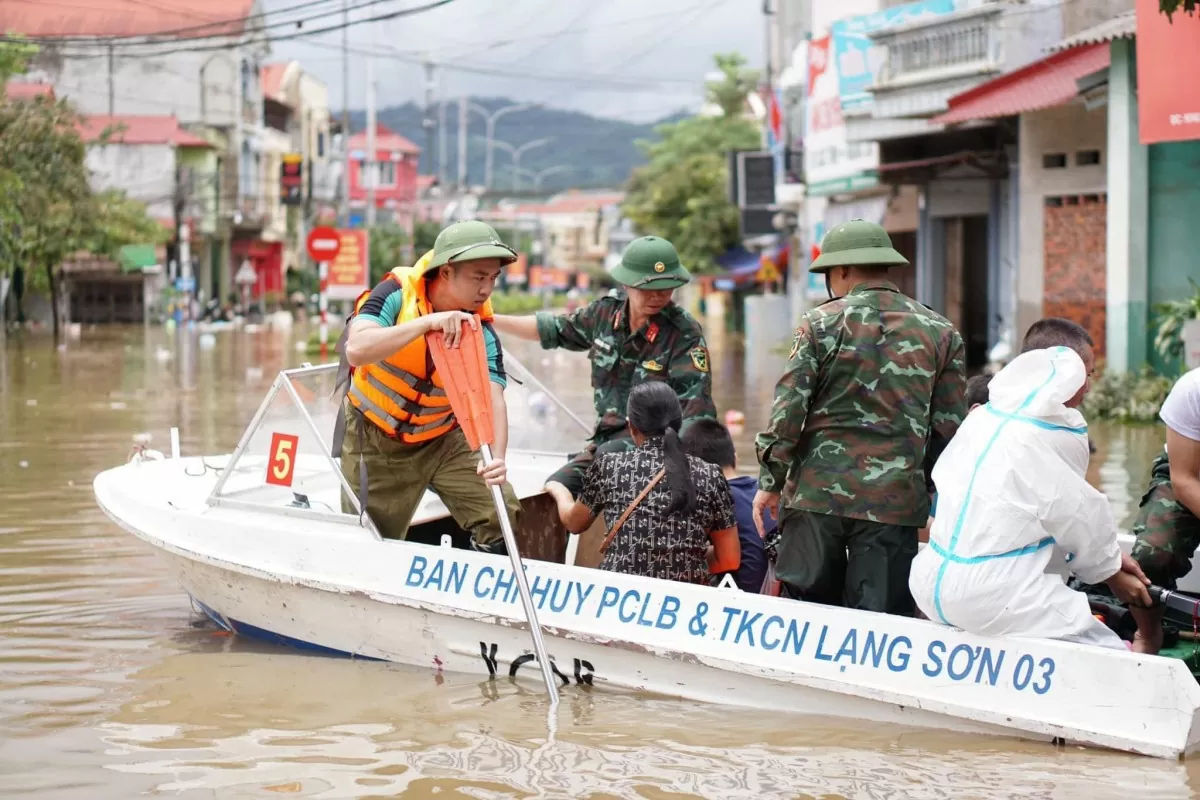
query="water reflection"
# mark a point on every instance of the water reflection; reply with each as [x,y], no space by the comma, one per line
[107,689]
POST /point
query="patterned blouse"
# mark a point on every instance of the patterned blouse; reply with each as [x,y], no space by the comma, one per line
[653,543]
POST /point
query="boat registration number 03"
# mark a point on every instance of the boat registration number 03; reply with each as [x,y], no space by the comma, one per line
[282,464]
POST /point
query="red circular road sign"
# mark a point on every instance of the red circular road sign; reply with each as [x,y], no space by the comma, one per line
[324,244]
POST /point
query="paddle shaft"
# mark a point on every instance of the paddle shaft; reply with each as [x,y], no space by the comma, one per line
[535,628]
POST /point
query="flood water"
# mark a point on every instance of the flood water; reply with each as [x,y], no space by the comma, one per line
[112,687]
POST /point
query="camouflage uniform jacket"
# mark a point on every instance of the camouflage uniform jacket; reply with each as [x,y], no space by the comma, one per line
[669,348]
[870,375]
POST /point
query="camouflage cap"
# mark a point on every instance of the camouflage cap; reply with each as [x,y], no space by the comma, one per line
[469,240]
[650,263]
[857,243]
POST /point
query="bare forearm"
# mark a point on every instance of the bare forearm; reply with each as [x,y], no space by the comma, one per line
[369,343]
[499,420]
[521,327]
[1187,491]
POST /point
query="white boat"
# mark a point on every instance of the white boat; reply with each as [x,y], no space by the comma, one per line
[259,540]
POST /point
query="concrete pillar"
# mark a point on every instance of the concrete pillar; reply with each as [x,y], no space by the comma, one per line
[995,265]
[1128,217]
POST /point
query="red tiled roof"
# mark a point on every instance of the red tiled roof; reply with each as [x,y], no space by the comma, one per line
[385,139]
[272,80]
[125,17]
[141,130]
[1042,84]
[16,90]
[576,202]
[425,181]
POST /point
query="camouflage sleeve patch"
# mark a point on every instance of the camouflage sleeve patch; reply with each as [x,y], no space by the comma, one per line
[688,374]
[699,356]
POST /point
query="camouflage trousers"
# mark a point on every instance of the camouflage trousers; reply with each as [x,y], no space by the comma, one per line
[571,474]
[839,561]
[398,475]
[1167,534]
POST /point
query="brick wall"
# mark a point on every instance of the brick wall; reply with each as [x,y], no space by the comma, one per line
[1075,263]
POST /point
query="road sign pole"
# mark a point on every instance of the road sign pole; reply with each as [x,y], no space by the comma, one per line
[323,271]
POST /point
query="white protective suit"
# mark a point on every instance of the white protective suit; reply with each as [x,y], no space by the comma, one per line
[1013,505]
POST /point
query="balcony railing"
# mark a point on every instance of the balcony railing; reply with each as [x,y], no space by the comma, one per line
[943,47]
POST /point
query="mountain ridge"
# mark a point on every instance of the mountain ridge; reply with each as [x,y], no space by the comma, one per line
[600,152]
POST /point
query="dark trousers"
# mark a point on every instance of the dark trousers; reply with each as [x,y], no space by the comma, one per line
[846,562]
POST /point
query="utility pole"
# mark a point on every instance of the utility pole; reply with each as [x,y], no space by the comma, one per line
[112,94]
[345,211]
[462,143]
[372,168]
[428,122]
[443,176]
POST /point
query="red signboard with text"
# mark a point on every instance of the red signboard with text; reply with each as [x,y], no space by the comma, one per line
[1168,59]
[349,271]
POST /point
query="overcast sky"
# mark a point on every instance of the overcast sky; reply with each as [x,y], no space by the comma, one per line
[658,51]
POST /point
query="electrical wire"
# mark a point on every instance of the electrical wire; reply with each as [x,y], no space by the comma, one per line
[172,45]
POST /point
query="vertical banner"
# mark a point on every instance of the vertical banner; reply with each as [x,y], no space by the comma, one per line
[350,270]
[1168,59]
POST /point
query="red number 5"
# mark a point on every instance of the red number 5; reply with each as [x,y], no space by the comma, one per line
[282,465]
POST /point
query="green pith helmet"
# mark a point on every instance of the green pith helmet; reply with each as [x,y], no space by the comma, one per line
[467,241]
[650,263]
[857,243]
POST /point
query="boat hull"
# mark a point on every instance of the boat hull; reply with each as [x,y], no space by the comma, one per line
[336,587]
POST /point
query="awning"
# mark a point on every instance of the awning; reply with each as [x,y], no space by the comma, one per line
[135,257]
[738,261]
[1042,84]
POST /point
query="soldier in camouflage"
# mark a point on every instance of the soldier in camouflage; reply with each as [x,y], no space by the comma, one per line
[873,376]
[1167,529]
[640,337]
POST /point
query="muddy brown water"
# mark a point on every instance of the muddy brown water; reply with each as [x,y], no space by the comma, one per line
[112,687]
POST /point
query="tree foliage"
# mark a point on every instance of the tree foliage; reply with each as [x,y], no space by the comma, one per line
[48,211]
[682,193]
[1169,7]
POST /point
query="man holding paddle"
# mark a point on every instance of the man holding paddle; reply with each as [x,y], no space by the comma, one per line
[640,337]
[404,436]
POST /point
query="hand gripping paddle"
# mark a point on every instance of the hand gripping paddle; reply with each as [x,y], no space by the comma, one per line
[465,375]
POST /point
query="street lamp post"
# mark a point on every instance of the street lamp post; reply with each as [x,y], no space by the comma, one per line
[517,152]
[490,117]
[538,176]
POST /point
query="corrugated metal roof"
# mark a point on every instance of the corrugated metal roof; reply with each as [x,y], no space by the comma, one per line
[129,129]
[1042,84]
[1123,26]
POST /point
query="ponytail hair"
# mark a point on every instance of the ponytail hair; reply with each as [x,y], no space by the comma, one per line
[654,410]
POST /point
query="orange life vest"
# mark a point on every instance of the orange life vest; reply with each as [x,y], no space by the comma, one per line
[403,394]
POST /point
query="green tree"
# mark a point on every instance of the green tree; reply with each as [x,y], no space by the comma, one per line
[1169,7]
[681,194]
[386,248]
[48,211]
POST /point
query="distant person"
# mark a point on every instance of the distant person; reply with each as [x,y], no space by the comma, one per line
[710,441]
[643,336]
[1167,529]
[683,526]
[873,377]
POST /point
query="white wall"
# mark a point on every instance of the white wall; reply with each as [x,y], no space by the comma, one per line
[1066,129]
[146,172]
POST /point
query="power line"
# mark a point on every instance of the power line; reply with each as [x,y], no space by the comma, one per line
[173,45]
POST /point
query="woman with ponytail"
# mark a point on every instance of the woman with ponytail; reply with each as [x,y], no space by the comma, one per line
[669,515]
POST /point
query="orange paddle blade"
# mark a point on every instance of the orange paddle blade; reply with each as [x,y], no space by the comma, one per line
[464,373]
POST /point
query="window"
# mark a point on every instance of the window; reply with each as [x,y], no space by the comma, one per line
[1054,160]
[387,173]
[1087,158]
[320,144]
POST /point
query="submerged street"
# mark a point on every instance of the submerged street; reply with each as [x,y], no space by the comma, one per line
[112,685]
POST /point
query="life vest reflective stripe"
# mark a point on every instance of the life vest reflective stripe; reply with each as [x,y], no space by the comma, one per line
[403,395]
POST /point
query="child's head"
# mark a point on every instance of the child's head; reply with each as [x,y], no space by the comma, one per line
[977,391]
[709,440]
